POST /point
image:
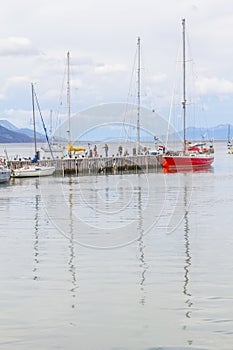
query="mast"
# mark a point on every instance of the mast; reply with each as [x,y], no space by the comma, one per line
[34,119]
[138,109]
[184,87]
[51,123]
[68,99]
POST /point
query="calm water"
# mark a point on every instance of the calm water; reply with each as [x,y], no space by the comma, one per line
[118,262]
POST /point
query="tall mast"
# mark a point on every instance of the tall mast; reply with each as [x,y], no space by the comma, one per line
[184,87]
[138,112]
[34,119]
[68,96]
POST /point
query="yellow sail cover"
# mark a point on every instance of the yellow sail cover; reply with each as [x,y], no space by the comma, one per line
[75,149]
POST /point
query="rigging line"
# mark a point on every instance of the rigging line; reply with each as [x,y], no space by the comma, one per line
[127,101]
[146,87]
[193,85]
[45,130]
[173,94]
[60,97]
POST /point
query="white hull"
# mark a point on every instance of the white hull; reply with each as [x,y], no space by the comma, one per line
[33,171]
[4,174]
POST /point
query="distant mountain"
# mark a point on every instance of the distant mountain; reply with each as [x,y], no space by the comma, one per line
[6,124]
[40,137]
[218,132]
[9,136]
[9,133]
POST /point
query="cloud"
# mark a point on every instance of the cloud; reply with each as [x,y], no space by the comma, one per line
[11,84]
[110,68]
[214,86]
[159,77]
[17,81]
[102,43]
[21,118]
[14,46]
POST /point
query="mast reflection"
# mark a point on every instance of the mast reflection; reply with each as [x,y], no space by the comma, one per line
[143,265]
[36,233]
[187,253]
[71,263]
[188,261]
[36,237]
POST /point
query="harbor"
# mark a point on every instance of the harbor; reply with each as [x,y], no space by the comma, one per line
[116,170]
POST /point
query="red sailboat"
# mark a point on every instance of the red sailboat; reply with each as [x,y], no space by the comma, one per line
[192,155]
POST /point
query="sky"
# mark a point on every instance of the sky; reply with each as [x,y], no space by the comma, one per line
[101,37]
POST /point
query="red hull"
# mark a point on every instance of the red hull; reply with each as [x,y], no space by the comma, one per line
[187,161]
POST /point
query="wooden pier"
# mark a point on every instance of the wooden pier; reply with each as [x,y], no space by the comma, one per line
[99,165]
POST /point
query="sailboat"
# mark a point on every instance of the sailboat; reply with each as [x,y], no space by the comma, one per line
[34,170]
[192,155]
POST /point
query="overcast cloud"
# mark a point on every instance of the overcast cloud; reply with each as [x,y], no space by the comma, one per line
[101,37]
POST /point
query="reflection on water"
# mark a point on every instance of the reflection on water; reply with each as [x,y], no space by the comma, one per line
[187,260]
[36,237]
[162,291]
[187,248]
[144,267]
[143,264]
[71,262]
[204,169]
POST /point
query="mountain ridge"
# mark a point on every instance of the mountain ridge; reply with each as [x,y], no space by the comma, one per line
[9,133]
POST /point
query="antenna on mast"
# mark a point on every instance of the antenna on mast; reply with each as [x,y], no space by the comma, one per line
[34,119]
[184,88]
[138,109]
[68,100]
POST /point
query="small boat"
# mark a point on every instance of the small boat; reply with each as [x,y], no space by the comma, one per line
[193,156]
[229,140]
[33,171]
[5,173]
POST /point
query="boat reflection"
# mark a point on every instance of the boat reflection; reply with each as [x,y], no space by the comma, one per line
[207,169]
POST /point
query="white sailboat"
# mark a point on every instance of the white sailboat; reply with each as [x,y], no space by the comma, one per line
[33,170]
